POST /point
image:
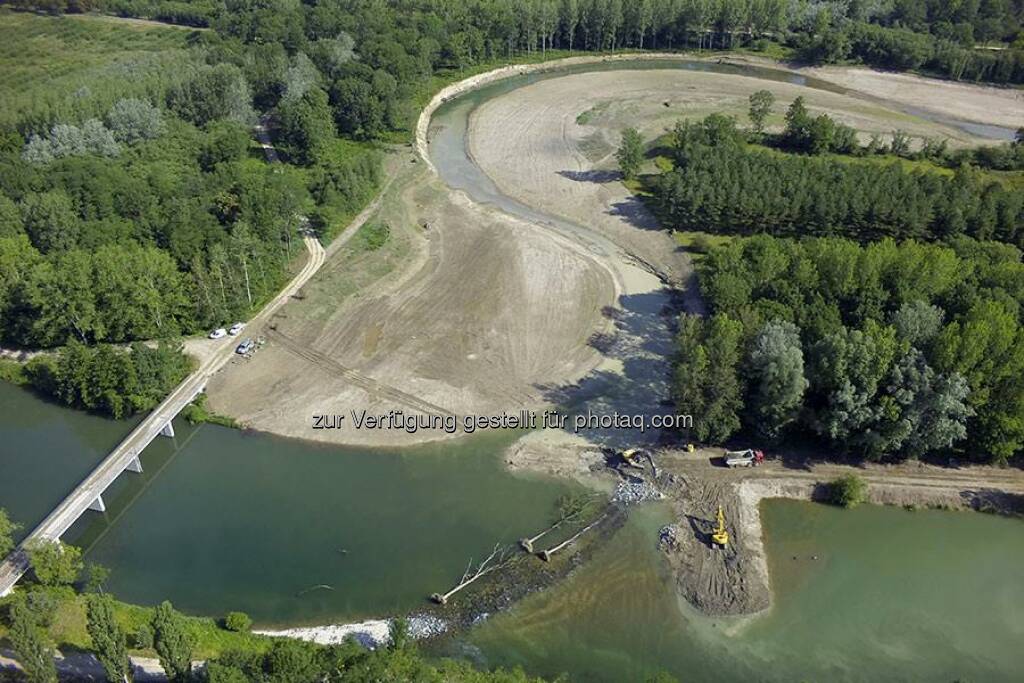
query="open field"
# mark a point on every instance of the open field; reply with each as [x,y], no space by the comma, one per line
[458,310]
[982,104]
[44,55]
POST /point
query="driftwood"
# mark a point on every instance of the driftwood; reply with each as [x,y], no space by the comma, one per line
[496,560]
[570,507]
[546,554]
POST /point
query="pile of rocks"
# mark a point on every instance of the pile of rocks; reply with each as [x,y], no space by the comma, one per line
[423,626]
[634,492]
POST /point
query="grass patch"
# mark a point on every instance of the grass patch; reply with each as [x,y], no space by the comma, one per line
[68,628]
[586,117]
[198,413]
[44,55]
[371,237]
[699,243]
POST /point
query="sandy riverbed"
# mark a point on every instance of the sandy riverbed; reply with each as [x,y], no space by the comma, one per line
[471,311]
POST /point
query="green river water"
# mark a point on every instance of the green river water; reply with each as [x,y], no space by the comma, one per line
[224,520]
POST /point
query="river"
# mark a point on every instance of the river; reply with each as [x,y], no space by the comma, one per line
[296,533]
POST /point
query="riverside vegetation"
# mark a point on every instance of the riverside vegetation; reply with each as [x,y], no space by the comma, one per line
[65,606]
[875,309]
[132,206]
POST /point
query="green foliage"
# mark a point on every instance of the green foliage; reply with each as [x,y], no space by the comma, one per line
[95,576]
[239,622]
[907,349]
[720,185]
[7,531]
[372,236]
[761,103]
[107,379]
[848,491]
[306,125]
[630,153]
[173,642]
[210,93]
[33,652]
[131,120]
[142,638]
[707,384]
[108,640]
[54,563]
[776,368]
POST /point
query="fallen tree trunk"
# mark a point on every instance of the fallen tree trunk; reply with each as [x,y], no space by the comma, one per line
[546,554]
[496,560]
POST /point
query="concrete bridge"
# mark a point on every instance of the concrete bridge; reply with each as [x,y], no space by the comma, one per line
[88,495]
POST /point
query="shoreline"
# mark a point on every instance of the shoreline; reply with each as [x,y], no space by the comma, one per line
[742,584]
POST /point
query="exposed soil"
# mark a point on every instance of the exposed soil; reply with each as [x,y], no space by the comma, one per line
[967,101]
[464,310]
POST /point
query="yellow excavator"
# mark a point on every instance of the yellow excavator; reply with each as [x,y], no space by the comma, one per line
[720,537]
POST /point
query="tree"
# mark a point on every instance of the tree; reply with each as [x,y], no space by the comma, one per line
[798,125]
[7,531]
[306,125]
[918,322]
[95,576]
[848,491]
[131,120]
[921,411]
[631,153]
[34,654]
[108,640]
[240,622]
[173,642]
[54,563]
[900,144]
[706,377]
[760,109]
[50,221]
[776,367]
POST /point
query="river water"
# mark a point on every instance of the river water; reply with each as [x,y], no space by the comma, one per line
[296,533]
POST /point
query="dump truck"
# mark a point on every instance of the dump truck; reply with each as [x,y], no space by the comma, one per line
[747,458]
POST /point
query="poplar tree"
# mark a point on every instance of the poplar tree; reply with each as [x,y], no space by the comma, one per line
[172,642]
[108,640]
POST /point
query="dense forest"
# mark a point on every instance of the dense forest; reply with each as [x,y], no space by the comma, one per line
[933,35]
[879,311]
[887,350]
[135,206]
[720,183]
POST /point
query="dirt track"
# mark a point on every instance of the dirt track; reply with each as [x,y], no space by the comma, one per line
[466,309]
[463,311]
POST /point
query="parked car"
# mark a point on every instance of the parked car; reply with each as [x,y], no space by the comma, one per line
[218,333]
[236,328]
[245,347]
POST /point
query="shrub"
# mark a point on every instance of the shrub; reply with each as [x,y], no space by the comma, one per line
[239,622]
[848,491]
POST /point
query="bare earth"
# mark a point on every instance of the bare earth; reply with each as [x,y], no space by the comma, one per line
[469,315]
[978,103]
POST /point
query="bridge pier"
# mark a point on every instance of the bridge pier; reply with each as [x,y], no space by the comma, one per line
[135,465]
[98,505]
[168,429]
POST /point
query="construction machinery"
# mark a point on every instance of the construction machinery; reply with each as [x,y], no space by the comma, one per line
[747,458]
[720,537]
[634,457]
